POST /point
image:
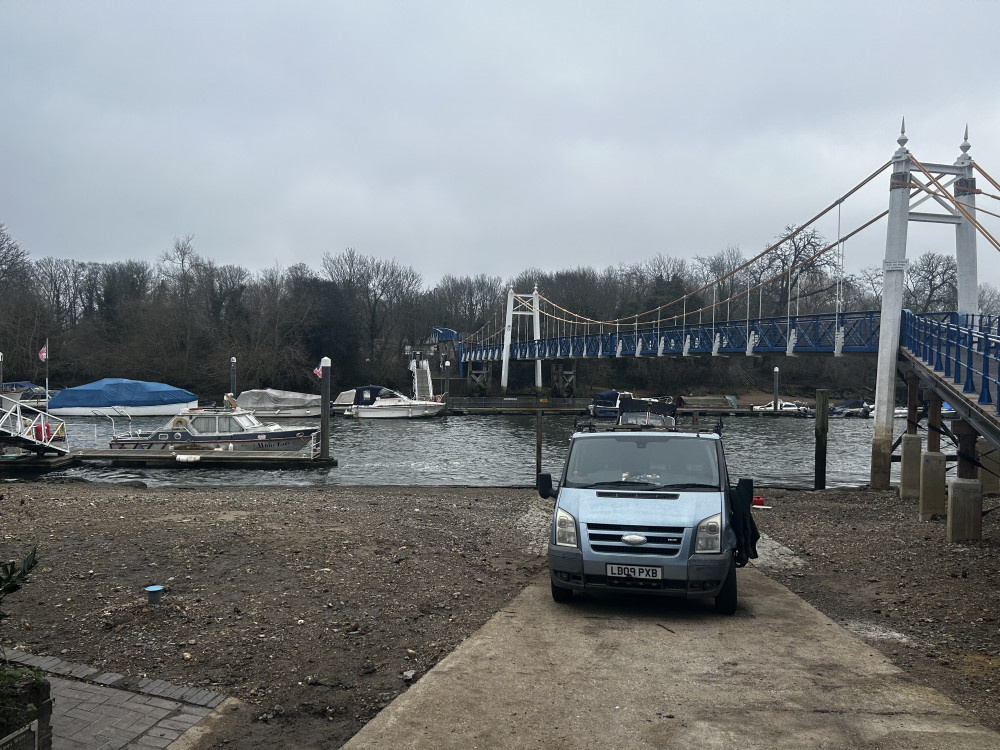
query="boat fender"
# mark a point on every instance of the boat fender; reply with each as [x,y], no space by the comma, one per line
[187,459]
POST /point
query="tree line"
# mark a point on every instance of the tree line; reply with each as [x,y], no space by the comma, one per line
[179,319]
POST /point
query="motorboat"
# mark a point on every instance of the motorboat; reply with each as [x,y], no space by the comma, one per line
[214,428]
[852,407]
[268,402]
[137,398]
[646,413]
[379,402]
[604,404]
[782,406]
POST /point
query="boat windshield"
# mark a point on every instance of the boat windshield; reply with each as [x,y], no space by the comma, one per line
[247,421]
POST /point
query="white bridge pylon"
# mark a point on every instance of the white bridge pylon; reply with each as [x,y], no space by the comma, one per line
[913,183]
[523,306]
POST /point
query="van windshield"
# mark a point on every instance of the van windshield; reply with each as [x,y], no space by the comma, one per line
[644,462]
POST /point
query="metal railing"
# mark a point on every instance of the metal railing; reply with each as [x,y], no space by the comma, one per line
[31,428]
[834,333]
[961,348]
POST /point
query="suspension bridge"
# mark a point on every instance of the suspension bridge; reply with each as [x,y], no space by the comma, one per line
[952,355]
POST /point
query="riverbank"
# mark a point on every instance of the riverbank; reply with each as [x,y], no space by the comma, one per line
[316,606]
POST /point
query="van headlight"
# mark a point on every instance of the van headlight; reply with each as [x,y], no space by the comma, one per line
[565,529]
[709,537]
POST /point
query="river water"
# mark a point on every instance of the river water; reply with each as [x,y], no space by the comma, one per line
[496,450]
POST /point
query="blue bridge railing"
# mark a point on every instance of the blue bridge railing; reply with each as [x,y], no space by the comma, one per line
[799,334]
[964,349]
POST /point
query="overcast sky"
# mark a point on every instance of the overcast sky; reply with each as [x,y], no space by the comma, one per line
[475,137]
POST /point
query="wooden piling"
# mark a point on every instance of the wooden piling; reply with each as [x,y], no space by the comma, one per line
[822,429]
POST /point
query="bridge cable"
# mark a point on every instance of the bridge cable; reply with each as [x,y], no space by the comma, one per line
[959,206]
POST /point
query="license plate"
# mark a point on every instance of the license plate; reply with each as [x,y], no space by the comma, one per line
[641,572]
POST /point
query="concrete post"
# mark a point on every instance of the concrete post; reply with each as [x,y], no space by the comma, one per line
[965,510]
[965,234]
[909,467]
[933,490]
[965,493]
[989,471]
[894,267]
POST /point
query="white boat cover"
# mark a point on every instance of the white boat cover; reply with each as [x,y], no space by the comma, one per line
[268,399]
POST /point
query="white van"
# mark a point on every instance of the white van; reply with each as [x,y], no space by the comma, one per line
[648,511]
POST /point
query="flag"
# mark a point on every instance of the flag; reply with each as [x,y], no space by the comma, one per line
[43,353]
[318,370]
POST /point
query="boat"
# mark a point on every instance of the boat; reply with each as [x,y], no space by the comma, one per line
[782,406]
[379,402]
[268,402]
[213,428]
[852,407]
[138,398]
[604,404]
[646,413]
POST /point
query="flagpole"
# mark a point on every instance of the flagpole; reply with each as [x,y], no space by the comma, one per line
[46,373]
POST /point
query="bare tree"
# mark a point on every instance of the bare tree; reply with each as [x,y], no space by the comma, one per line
[382,294]
[989,299]
[931,283]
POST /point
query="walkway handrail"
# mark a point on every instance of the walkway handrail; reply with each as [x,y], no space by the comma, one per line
[962,348]
[854,332]
[31,427]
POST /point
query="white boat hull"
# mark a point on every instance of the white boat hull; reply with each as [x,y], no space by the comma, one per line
[159,410]
[411,410]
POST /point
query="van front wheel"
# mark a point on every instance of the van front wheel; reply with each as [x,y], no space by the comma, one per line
[560,594]
[725,601]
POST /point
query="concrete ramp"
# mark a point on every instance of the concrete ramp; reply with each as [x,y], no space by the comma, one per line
[641,674]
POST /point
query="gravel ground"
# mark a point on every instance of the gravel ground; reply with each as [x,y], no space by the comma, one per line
[316,606]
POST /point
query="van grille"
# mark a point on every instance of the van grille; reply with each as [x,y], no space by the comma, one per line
[665,541]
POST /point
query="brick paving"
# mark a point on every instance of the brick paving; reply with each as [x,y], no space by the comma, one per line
[90,713]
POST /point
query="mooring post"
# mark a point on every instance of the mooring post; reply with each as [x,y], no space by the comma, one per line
[324,412]
[538,433]
[822,429]
[232,375]
[775,402]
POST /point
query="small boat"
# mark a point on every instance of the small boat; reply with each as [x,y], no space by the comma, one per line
[646,413]
[268,402]
[604,405]
[138,398]
[852,407]
[782,406]
[379,402]
[214,428]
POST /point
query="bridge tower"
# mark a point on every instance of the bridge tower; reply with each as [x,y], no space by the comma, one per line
[521,304]
[960,211]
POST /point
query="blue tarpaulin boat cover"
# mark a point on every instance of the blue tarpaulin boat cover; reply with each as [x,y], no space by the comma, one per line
[120,392]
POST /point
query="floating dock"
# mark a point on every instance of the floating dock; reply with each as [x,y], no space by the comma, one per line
[30,464]
[194,459]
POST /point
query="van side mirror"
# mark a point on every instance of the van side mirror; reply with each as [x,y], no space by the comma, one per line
[544,484]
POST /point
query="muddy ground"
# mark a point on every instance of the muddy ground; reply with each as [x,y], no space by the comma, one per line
[316,606]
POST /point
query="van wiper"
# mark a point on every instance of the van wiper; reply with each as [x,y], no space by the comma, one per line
[688,486]
[621,483]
